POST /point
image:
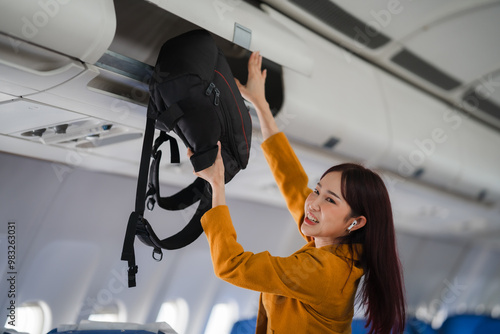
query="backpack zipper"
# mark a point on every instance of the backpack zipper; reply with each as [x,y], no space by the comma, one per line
[229,130]
[241,116]
[217,95]
[211,88]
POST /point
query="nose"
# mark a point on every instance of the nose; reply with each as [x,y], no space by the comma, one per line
[313,205]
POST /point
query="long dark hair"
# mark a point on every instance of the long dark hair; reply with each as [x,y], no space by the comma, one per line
[382,290]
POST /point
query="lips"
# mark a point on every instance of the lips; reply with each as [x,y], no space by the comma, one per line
[310,219]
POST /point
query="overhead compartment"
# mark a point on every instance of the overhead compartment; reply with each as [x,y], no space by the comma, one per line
[247,26]
[43,43]
[81,29]
[338,107]
[115,86]
[424,142]
[331,99]
[434,143]
[368,115]
[479,159]
[27,68]
[64,53]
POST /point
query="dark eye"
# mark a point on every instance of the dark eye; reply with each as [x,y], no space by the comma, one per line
[316,191]
[328,199]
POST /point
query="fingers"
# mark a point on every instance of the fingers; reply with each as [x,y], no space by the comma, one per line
[259,61]
[219,154]
[255,63]
[254,58]
[252,61]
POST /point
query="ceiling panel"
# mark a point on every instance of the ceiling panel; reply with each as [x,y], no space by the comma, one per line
[6,97]
[488,87]
[466,46]
[398,19]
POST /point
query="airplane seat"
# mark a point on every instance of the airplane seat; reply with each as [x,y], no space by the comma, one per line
[488,325]
[98,327]
[246,326]
[358,326]
[462,324]
[415,326]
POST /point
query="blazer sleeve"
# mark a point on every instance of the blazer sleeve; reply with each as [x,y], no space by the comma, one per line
[289,174]
[307,275]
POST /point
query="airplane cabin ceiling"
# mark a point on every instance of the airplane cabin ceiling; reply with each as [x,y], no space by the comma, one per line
[454,43]
[447,48]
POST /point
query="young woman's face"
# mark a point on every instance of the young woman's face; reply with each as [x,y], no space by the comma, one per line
[326,211]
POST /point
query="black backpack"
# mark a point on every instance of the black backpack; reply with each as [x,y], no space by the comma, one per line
[193,93]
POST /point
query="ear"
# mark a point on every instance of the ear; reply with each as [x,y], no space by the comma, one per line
[360,222]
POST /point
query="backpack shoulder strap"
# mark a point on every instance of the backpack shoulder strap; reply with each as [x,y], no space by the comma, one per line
[183,238]
[128,253]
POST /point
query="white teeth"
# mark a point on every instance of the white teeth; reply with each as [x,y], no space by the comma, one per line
[312,218]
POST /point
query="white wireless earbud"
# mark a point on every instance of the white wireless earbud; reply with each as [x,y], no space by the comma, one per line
[352,225]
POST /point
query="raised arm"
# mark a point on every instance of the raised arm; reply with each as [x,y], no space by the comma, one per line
[289,174]
[287,170]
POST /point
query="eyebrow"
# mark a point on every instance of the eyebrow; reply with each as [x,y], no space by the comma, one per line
[330,192]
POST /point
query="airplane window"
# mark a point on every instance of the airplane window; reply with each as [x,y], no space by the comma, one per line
[222,318]
[104,317]
[113,312]
[495,312]
[33,318]
[439,318]
[175,313]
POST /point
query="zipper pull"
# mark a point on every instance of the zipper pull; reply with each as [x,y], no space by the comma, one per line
[217,95]
[210,89]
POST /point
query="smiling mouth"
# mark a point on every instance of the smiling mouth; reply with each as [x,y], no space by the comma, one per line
[310,219]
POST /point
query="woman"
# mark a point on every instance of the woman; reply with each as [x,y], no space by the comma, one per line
[347,223]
